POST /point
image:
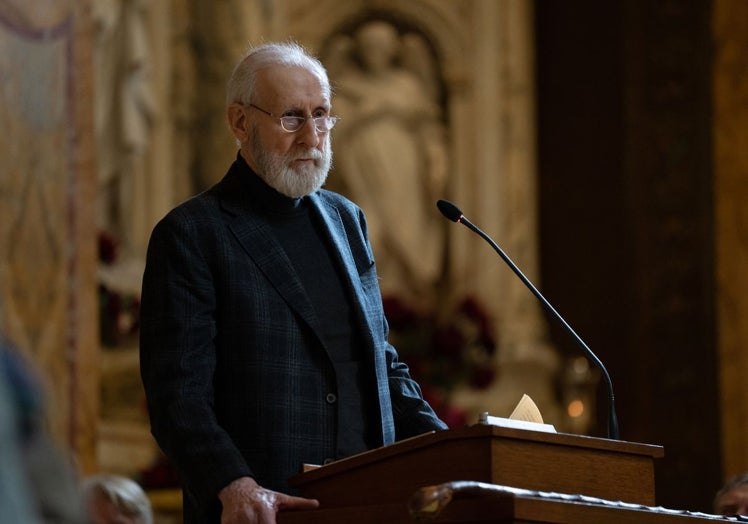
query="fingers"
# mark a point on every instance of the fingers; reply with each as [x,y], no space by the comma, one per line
[291,502]
[246,502]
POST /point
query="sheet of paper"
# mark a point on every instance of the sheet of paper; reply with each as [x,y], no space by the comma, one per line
[527,410]
[526,415]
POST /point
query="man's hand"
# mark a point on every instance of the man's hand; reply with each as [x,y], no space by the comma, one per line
[246,502]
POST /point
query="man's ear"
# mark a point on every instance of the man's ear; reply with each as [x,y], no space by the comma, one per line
[238,122]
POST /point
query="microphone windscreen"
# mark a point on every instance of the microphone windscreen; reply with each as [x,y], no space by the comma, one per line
[449,210]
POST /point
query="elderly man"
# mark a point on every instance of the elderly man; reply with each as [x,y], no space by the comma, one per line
[263,338]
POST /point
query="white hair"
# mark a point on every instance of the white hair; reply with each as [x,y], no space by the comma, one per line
[126,495]
[242,83]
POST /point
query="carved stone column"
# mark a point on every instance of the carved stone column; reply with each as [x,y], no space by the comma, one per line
[730,27]
[499,196]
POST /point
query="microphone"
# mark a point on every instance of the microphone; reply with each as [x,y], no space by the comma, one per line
[453,213]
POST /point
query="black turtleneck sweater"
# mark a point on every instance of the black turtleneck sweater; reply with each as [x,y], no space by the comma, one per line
[299,232]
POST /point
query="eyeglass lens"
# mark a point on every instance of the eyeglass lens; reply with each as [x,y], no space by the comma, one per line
[294,123]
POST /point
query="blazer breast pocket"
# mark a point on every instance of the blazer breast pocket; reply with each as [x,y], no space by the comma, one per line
[367,271]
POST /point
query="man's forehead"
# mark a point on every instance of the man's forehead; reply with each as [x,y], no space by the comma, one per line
[288,82]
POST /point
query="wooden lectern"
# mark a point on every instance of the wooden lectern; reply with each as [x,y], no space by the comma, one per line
[375,486]
[608,469]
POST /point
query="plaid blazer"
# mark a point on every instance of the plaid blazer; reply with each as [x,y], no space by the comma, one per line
[235,372]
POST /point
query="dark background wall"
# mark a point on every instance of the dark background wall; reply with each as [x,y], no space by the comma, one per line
[626,218]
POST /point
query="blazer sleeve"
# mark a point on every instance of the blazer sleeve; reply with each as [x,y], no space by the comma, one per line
[178,357]
[412,413]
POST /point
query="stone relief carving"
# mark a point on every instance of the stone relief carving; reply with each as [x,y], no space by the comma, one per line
[124,105]
[124,111]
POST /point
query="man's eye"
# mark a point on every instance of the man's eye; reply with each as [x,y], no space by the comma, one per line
[292,123]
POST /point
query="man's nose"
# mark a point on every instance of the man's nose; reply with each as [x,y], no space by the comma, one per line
[308,134]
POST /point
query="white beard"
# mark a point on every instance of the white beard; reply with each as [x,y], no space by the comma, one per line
[275,169]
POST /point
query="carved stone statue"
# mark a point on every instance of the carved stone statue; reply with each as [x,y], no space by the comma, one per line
[124,112]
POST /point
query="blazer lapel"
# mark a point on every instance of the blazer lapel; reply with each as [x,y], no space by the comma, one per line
[335,230]
[256,238]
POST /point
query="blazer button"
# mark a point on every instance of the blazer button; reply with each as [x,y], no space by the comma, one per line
[331,398]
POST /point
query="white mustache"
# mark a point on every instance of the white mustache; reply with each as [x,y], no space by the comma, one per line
[314,154]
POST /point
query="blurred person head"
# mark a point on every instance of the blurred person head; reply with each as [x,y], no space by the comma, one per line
[732,498]
[114,499]
[38,482]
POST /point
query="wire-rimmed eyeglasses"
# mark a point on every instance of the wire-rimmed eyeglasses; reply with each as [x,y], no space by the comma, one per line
[292,123]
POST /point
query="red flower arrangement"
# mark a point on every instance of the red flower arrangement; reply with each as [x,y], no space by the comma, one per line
[444,349]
